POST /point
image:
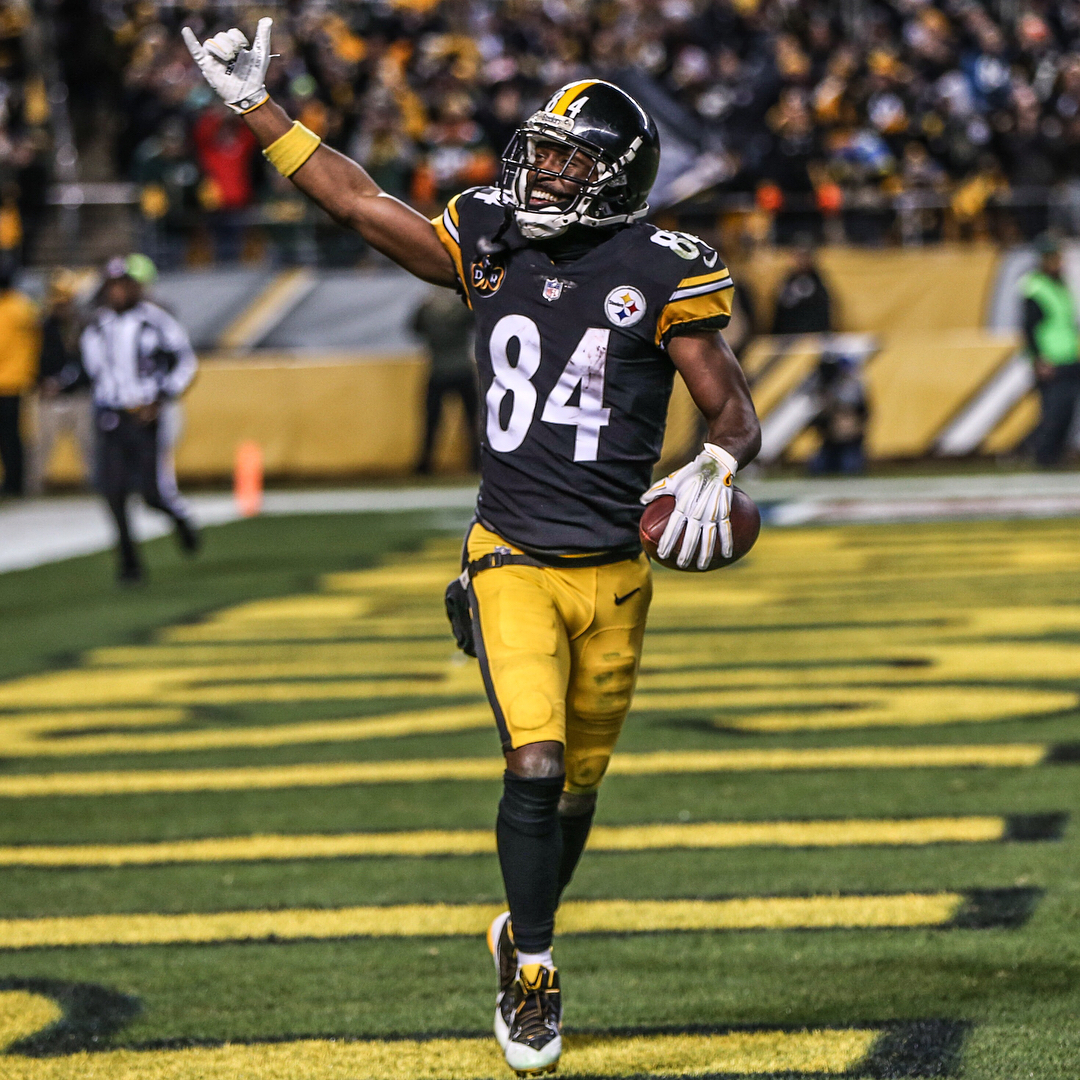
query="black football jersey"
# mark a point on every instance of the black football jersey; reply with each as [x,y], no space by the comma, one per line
[574,374]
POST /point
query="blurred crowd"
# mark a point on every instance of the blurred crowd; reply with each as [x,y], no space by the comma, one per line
[825,114]
[25,138]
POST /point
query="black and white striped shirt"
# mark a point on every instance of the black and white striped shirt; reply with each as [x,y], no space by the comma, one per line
[137,357]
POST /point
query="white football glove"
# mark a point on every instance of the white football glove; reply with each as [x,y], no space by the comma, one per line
[237,73]
[702,493]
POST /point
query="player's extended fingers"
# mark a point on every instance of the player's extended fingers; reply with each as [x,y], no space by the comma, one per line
[707,545]
[670,534]
[261,48]
[198,53]
[723,517]
[696,502]
[727,540]
[707,503]
[689,543]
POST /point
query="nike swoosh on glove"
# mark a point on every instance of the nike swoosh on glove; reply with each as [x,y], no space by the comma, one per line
[236,73]
[702,493]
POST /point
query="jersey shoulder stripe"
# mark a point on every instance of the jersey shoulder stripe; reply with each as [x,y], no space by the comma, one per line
[707,307]
[446,227]
[705,279]
[700,290]
[452,216]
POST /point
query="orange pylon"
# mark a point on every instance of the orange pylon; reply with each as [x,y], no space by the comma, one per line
[248,478]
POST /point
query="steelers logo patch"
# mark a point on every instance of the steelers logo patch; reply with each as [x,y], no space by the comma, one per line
[624,306]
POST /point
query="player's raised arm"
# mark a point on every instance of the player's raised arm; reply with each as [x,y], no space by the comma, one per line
[344,190]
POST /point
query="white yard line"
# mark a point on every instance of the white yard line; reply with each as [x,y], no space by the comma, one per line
[39,531]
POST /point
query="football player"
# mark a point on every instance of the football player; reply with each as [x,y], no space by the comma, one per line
[584,313]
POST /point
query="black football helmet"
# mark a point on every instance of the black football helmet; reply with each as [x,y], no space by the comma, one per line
[606,125]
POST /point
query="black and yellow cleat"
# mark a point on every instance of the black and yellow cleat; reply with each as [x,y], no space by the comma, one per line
[535,1035]
[500,940]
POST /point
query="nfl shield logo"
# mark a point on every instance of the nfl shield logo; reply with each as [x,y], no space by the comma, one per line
[552,289]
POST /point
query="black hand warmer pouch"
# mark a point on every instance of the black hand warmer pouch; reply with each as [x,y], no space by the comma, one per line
[457,611]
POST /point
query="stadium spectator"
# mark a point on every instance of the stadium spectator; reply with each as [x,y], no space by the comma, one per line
[225,150]
[500,115]
[1053,344]
[455,155]
[64,403]
[445,325]
[20,347]
[789,164]
[384,148]
[842,415]
[970,111]
[803,304]
[169,179]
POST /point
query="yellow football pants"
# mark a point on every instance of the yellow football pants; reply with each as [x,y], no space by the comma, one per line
[559,650]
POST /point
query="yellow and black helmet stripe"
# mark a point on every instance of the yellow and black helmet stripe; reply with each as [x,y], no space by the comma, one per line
[569,95]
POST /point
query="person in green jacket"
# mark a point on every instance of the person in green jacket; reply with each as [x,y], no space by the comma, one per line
[1053,344]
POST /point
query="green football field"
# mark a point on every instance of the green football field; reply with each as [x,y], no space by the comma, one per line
[246,815]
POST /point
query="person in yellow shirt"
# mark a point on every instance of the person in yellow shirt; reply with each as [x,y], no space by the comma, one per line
[20,350]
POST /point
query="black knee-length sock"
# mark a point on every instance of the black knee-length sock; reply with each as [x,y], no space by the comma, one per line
[575,831]
[530,841]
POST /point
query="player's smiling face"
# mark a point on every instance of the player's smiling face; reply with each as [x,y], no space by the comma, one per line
[573,167]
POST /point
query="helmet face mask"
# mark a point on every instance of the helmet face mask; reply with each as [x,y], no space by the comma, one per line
[527,181]
[614,136]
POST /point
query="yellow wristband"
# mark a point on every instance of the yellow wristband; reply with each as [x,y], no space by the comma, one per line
[289,152]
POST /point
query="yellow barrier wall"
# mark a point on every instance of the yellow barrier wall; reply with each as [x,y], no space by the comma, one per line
[336,416]
[920,381]
[354,415]
[916,384]
[342,415]
[351,416]
[1015,427]
[939,288]
[345,416]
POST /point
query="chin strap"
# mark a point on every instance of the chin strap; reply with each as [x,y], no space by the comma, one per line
[535,225]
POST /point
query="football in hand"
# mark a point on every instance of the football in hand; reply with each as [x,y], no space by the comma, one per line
[745,525]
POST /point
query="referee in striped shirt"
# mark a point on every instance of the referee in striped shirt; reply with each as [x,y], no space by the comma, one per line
[138,357]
